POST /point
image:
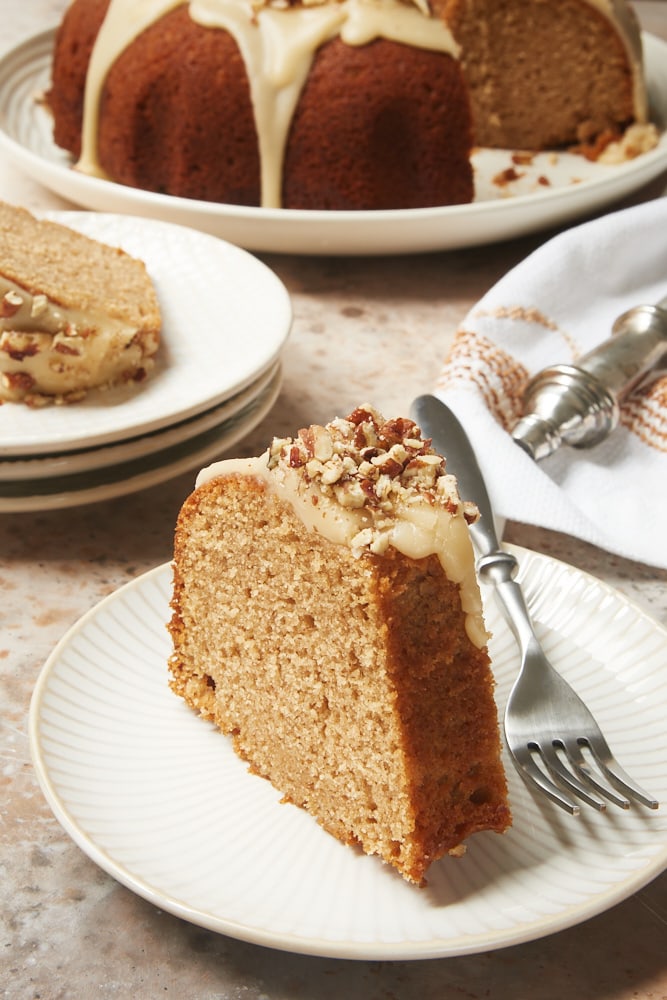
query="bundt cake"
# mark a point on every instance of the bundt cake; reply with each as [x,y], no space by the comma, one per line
[326,615]
[336,104]
[74,312]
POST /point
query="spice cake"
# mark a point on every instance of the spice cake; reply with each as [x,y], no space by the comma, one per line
[336,104]
[317,106]
[327,616]
[74,313]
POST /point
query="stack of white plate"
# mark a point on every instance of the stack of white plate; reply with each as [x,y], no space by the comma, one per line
[225,319]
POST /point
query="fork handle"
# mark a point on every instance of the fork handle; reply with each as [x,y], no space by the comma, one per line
[499,567]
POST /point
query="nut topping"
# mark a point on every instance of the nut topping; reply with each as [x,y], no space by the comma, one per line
[39,305]
[366,462]
[10,304]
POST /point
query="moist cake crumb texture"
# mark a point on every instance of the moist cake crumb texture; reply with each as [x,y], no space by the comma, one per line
[344,672]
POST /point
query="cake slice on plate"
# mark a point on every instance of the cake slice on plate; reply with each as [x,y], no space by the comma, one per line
[74,313]
[327,616]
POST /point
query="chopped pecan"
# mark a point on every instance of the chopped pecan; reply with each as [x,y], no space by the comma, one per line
[63,348]
[18,381]
[366,462]
[18,345]
[295,459]
[10,304]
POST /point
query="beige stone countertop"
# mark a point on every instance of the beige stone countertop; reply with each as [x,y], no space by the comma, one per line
[366,329]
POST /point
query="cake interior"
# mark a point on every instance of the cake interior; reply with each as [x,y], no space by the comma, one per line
[349,681]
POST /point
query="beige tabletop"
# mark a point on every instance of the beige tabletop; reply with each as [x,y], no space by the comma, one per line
[365,329]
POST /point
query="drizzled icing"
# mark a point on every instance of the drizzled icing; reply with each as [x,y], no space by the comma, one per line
[51,350]
[277,45]
[349,497]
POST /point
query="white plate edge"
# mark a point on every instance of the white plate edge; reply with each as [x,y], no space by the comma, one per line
[471,944]
[548,202]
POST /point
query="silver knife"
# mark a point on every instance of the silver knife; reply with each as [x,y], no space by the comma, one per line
[497,565]
[451,441]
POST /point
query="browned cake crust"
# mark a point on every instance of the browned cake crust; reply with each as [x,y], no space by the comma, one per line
[396,132]
[378,126]
[186,126]
[349,682]
[73,45]
[541,75]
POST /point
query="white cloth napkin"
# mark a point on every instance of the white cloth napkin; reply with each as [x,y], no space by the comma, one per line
[555,306]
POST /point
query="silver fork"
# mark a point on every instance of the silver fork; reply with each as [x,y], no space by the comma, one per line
[546,722]
[547,725]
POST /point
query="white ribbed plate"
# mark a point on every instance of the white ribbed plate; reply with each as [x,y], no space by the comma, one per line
[158,799]
[225,320]
[67,463]
[574,186]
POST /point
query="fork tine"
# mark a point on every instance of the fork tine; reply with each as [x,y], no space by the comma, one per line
[581,767]
[529,770]
[557,768]
[616,774]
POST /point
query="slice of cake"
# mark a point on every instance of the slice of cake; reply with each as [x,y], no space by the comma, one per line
[74,313]
[326,615]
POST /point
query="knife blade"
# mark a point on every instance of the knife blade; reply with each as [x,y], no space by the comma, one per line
[452,442]
[494,563]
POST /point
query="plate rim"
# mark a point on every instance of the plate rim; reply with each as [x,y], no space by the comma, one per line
[263,222]
[467,944]
[131,476]
[44,465]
